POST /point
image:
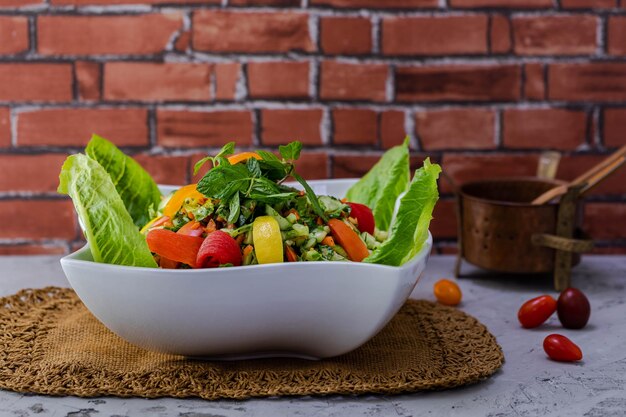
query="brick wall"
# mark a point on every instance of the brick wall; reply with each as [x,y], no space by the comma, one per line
[481,86]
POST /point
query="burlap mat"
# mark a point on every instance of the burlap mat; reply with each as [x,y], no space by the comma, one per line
[50,344]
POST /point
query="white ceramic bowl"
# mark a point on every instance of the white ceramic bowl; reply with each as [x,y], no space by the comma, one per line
[310,309]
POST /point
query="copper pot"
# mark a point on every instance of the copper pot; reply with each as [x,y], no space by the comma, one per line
[497,224]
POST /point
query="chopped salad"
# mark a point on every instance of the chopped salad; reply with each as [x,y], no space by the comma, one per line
[243,212]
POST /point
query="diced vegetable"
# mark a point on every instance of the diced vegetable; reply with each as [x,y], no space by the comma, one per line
[364,217]
[193,228]
[179,197]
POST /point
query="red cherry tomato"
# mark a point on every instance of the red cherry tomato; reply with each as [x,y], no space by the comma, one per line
[447,292]
[560,348]
[534,312]
[573,309]
[364,216]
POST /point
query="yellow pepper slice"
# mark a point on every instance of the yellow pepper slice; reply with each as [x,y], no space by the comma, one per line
[177,200]
[268,243]
[244,156]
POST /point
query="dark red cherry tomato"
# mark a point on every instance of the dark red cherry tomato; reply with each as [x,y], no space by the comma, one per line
[534,312]
[364,216]
[573,309]
[560,348]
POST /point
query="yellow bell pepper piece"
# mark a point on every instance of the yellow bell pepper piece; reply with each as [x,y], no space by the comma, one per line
[240,157]
[179,197]
[268,243]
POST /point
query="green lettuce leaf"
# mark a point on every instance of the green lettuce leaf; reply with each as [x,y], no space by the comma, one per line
[381,186]
[134,185]
[410,226]
[109,229]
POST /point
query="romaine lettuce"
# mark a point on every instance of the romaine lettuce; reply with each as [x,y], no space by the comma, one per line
[410,226]
[113,237]
[380,187]
[134,185]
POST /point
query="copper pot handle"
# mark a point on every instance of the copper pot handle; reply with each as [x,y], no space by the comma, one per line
[562,243]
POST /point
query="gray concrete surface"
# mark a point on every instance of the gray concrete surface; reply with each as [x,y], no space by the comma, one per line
[529,384]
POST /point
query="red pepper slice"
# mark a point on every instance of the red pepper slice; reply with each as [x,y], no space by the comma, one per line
[219,248]
[174,246]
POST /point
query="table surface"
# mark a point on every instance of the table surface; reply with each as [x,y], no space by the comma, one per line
[528,384]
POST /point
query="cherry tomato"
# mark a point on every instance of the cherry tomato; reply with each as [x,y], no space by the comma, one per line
[535,311]
[573,309]
[447,292]
[364,216]
[560,348]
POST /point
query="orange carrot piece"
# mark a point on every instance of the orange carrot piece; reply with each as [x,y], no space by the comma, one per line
[349,240]
[295,212]
[328,241]
[290,254]
[247,250]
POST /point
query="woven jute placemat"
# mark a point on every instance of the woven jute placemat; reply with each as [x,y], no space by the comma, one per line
[51,344]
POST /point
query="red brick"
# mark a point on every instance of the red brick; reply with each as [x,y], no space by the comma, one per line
[571,166]
[355,127]
[544,128]
[500,34]
[392,130]
[593,81]
[201,129]
[588,4]
[377,4]
[470,167]
[115,2]
[165,169]
[513,4]
[100,35]
[228,31]
[146,81]
[456,128]
[344,81]
[25,82]
[89,78]
[313,165]
[617,35]
[30,173]
[19,3]
[5,127]
[183,41]
[226,78]
[555,35]
[33,249]
[278,79]
[614,127]
[13,34]
[346,35]
[605,220]
[448,35]
[54,220]
[74,127]
[357,165]
[458,83]
[534,83]
[444,223]
[276,3]
[284,126]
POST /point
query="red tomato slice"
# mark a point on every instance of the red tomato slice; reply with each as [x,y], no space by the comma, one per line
[364,216]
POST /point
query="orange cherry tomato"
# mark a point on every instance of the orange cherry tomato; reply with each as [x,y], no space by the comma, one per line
[535,311]
[447,292]
[560,348]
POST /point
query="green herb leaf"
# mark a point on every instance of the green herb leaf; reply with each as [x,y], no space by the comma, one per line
[312,197]
[134,185]
[200,163]
[291,151]
[381,186]
[234,209]
[113,237]
[410,227]
[226,150]
[268,156]
[224,180]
